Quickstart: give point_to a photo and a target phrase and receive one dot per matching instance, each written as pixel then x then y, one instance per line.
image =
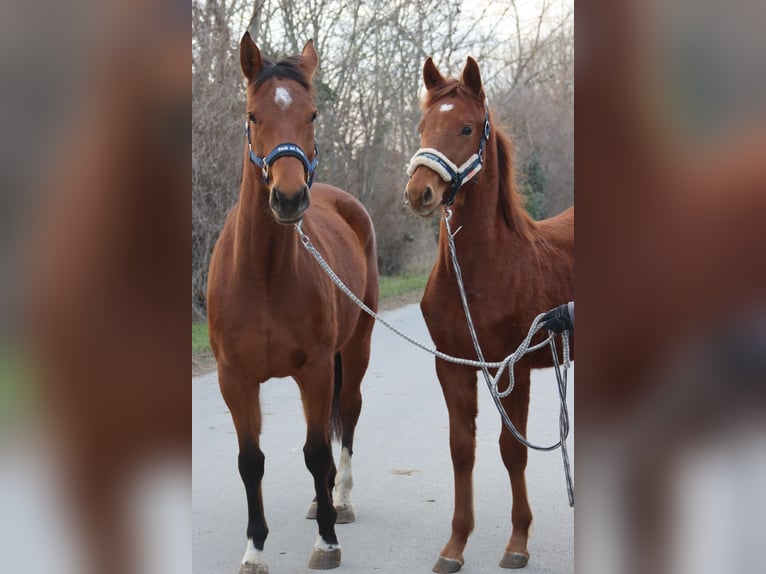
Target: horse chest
pixel 274 335
pixel 445 318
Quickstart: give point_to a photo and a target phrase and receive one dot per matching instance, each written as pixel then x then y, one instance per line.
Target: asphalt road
pixel 402 474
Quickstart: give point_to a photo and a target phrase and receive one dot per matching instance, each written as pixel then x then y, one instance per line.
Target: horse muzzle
pixel 289 208
pixel 422 197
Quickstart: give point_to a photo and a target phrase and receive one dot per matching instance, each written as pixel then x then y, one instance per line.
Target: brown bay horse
pixel 514 268
pixel 273 313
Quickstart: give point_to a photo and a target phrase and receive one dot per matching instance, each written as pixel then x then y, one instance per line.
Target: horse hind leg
pixel 335 430
pixel 355 358
pixel 344 482
pixel 514 455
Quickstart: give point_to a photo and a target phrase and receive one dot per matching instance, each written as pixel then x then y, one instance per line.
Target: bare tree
pixel 369 85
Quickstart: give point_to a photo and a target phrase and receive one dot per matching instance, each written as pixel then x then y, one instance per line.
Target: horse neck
pixel 491 216
pixel 261 245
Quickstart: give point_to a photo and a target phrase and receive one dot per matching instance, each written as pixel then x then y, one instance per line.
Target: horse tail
pixel 336 427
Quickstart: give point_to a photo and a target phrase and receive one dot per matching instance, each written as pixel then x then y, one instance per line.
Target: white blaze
pixel 446 107
pixel 282 98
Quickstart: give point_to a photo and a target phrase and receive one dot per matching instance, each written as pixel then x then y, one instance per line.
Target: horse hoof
pixel 447 565
pixel 254 569
pixel 514 560
pixel 345 514
pixel 325 559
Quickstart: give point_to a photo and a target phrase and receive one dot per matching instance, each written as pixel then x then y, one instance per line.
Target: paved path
pixel 402 474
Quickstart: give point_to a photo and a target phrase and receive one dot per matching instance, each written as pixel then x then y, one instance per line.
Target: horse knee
pixel 463 456
pixel 251 463
pixel 318 458
pixel 513 453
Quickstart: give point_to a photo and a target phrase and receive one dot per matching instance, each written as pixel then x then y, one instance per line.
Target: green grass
pixel 397 285
pixel 390 288
pixel 200 341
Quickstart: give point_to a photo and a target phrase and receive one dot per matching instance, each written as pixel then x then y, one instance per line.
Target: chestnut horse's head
pixel 453 132
pixel 280 126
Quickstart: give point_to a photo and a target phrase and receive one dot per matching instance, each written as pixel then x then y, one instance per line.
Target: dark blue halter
pixel 283 150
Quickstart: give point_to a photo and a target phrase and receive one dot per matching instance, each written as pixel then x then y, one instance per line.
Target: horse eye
pixel 252 119
pixel 313 117
pixel 467 131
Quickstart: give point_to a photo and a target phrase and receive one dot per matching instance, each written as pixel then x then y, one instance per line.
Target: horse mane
pixel 511 201
pixel 450 87
pixel 286 69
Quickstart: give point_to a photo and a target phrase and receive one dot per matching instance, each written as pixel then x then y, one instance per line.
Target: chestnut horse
pixel 514 268
pixel 273 313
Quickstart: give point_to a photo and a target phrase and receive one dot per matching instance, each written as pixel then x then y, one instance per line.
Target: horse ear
pixel 431 75
pixel 250 57
pixel 472 77
pixel 309 59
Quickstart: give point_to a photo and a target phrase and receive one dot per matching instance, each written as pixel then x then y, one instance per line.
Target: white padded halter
pixel 420 159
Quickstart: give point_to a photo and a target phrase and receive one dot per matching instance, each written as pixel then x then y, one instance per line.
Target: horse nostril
pixel 304 199
pixel 406 198
pixel 276 198
pixel 428 195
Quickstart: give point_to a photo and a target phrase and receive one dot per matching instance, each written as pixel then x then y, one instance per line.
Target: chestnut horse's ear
pixel 309 59
pixel 431 75
pixel 472 77
pixel 250 57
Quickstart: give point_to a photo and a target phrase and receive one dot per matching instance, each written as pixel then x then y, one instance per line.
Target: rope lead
pixel 507 363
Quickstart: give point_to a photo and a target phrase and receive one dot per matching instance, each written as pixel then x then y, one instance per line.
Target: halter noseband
pixel 283 150
pixel 448 171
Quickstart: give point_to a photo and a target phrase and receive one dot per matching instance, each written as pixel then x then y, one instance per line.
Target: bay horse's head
pixel 280 126
pixel 453 133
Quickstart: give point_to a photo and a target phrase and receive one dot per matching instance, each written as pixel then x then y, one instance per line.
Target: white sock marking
pixel 446 107
pixel 320 544
pixel 282 98
pixel 344 481
pixel 252 554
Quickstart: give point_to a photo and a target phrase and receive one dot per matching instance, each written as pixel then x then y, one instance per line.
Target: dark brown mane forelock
pixel 451 87
pixel 286 69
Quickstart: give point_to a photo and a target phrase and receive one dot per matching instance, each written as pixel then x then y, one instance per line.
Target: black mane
pixel 287 69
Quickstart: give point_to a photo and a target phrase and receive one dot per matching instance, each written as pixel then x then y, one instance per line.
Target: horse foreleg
pixel 242 398
pixel 459 387
pixel 316 385
pixel 514 456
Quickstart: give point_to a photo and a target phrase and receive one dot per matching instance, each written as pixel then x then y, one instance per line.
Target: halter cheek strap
pixel 283 150
pixel 456 176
